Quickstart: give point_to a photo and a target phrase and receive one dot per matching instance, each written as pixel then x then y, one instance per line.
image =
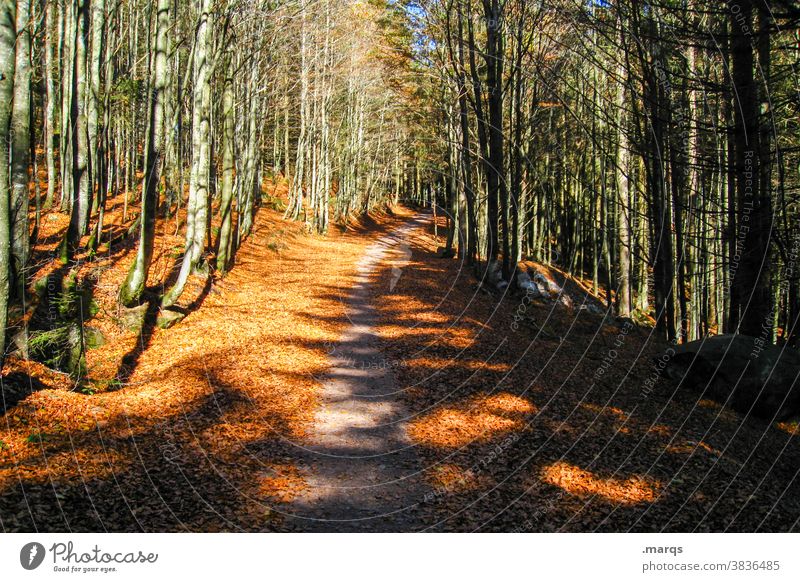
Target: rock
pixel 493 276
pixel 20 342
pixel 76 362
pixel 592 308
pixel 749 375
pixel 494 273
pixel 93 337
pixel 169 317
pixel 542 284
pixel 526 285
pixel 132 318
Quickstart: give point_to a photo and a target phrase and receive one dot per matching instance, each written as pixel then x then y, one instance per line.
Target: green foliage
pixel 125 91
pixel 68 300
pixel 38 437
pixel 91 387
pixel 51 347
pixel 274 202
pixel 60 343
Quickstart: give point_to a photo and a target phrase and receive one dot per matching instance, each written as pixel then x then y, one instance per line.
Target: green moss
pixel 51 347
pixel 38 437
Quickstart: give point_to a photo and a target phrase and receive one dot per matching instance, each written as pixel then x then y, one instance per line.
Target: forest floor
pixel 358 382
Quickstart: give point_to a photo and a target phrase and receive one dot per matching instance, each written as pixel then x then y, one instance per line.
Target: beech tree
pixel 618 141
pixel 650 148
pixel 7 40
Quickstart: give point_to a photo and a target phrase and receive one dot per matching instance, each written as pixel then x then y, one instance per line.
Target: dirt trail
pixel 361 469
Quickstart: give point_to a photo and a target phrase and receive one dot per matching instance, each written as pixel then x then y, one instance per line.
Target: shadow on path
pixel 362 471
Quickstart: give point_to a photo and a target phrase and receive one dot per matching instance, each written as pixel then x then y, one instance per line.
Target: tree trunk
pixel 197 208
pixel 750 294
pixel 131 290
pixel 226 189
pixel 7 41
pixel 21 149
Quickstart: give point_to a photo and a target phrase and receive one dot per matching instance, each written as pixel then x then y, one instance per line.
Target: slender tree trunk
pixel 7 65
pixel 751 298
pixel 51 99
pixel 131 290
pixel 81 195
pixel 226 190
pixel 197 208
pixel 21 149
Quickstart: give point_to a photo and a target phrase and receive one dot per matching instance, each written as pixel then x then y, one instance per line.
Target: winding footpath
pixel 360 466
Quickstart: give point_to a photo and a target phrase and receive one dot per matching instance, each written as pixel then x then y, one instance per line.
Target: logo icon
pixel 31 555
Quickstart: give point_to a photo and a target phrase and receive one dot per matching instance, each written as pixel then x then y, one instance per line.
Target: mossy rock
pixel 169 317
pixel 76 361
pixel 19 341
pixel 132 318
pixel 93 337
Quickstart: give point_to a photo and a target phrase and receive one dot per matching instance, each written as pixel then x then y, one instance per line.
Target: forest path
pixel 361 471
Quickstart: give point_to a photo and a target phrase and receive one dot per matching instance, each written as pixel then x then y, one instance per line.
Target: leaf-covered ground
pixel 192 428
pixel 526 416
pixel 534 416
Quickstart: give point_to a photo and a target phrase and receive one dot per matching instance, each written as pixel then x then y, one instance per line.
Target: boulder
pixel 93 337
pixel 133 318
pixel 76 359
pixel 592 308
pixel 526 285
pixel 542 284
pixel 493 276
pixel 169 317
pixel 19 341
pixel 746 373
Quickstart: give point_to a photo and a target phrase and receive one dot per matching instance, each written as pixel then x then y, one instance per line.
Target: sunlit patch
pixel 450 478
pixel 583 483
pixel 440 363
pixel 620 416
pixel 282 483
pixel 68 468
pixel 611 410
pixel 479 419
pixel 691 447
pixel 793 428
pixel 660 430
